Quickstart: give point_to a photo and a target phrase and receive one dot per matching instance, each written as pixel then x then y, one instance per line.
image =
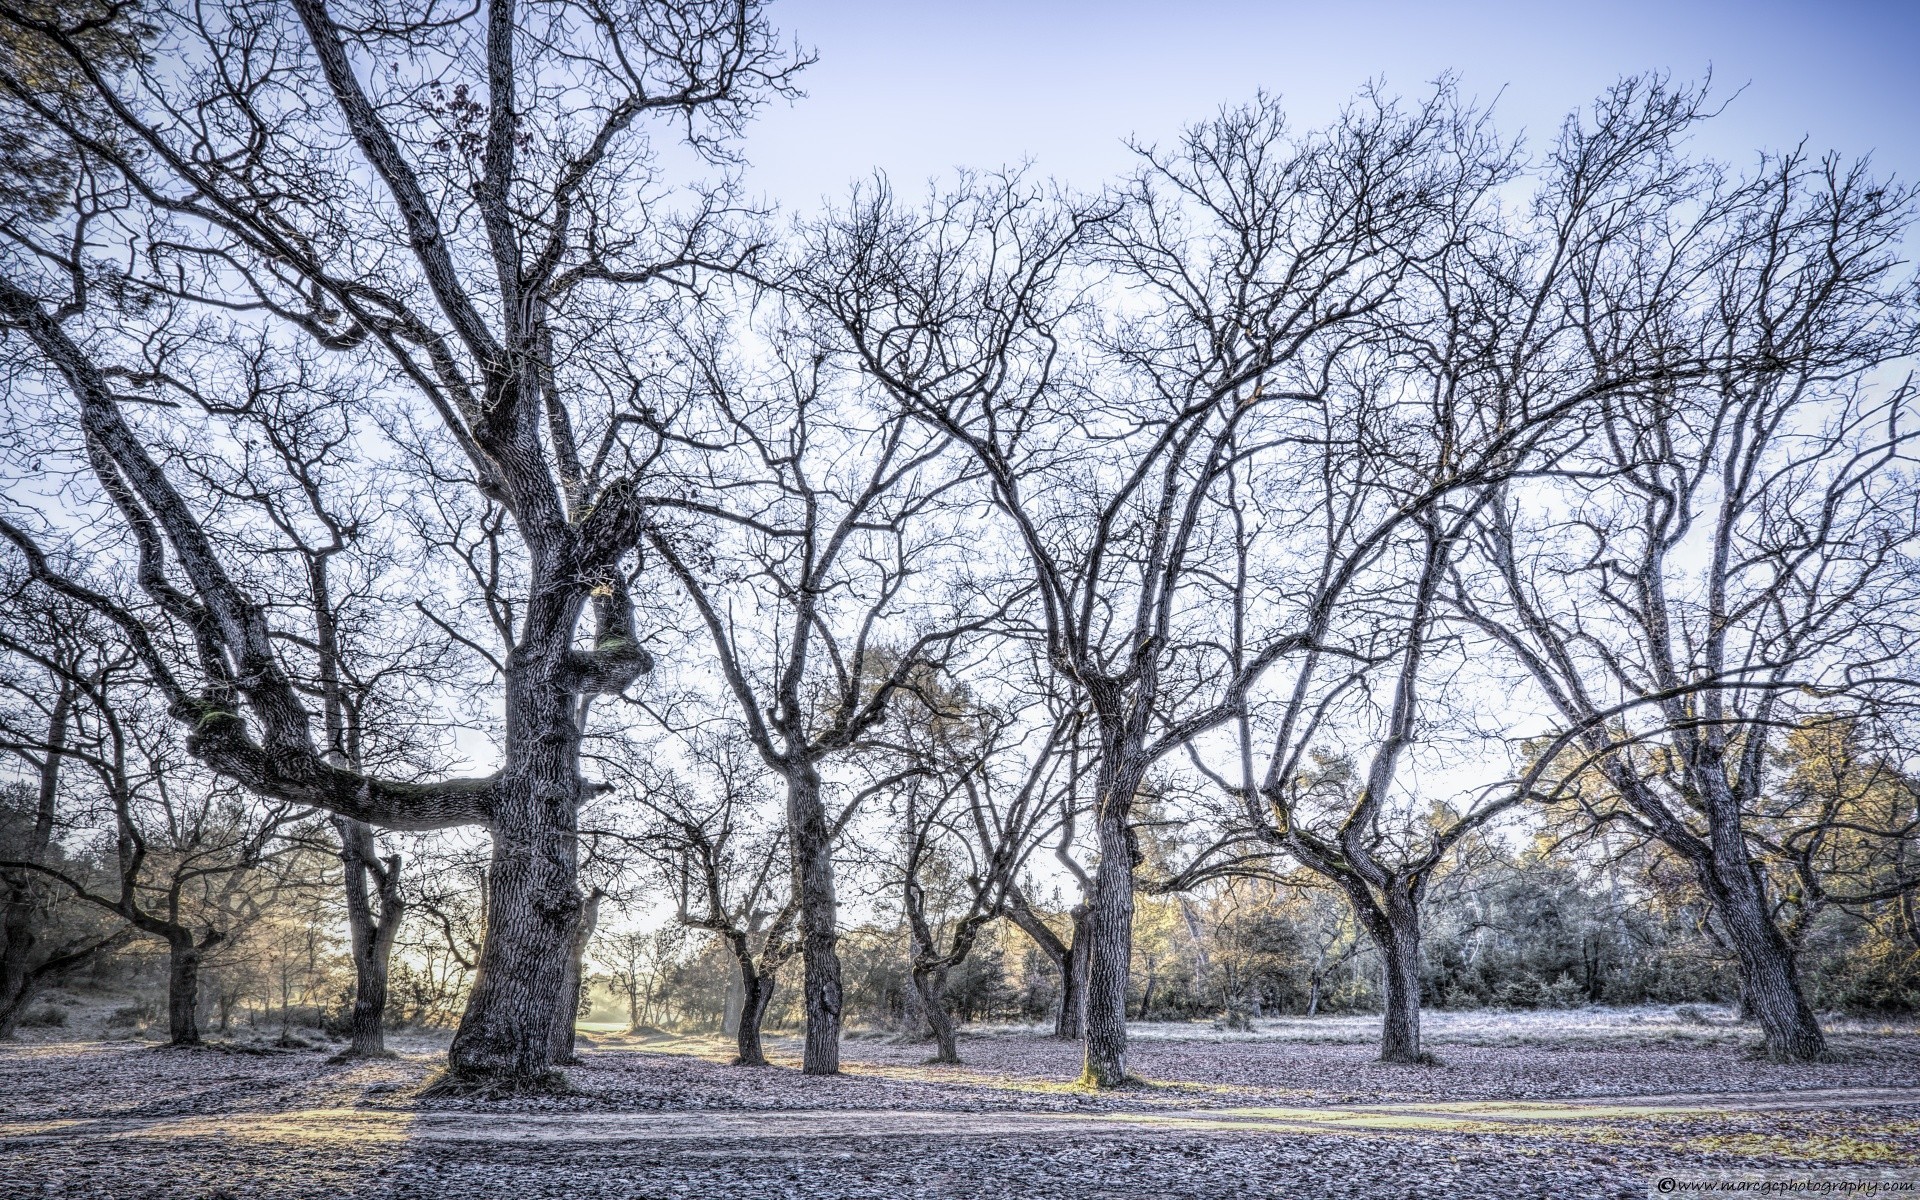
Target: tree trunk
pixel 372 933
pixel 16 946
pixel 1108 933
pixel 756 992
pixel 736 1000
pixel 566 1015
pixel 931 984
pixel 183 991
pixel 1398 936
pixel 1070 1020
pixel 812 848
pixel 506 1034
pixel 1769 977
pixel 1069 960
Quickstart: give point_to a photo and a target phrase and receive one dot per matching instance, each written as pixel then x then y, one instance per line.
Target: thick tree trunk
pixel 566 1015
pixel 506 1034
pixel 1108 934
pixel 756 992
pixel 1769 976
pixel 183 991
pixel 1399 942
pixel 372 933
pixel 931 984
pixel 812 847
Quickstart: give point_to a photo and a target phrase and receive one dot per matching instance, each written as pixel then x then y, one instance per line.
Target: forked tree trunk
pixel 1109 939
pixel 566 1015
pixel 812 848
pixel 1069 961
pixel 372 933
pixel 183 991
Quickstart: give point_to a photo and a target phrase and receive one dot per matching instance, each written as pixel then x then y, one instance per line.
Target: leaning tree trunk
pixel 183 990
pixel 372 932
pixel 505 1036
pixel 1109 941
pixel 1069 960
pixel 1769 977
pixel 566 1016
pixel 812 847
pixel 756 993
pixel 1397 934
pixel 931 984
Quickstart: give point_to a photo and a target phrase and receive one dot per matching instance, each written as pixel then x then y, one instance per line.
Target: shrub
pixel 128 1016
pixel 46 1014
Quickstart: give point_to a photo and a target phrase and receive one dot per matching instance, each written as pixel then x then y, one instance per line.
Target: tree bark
pixel 372 933
pixel 931 984
pixel 756 993
pixel 566 1016
pixel 1769 976
pixel 812 848
pixel 1397 934
pixel 1109 936
pixel 183 991
pixel 506 1033
pixel 1069 960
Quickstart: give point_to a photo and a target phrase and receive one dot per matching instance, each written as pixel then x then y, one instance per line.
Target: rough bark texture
pixel 183 991
pixel 372 931
pixel 931 984
pixel 1070 1021
pixel 566 1017
pixel 1108 933
pixel 1398 936
pixel 532 898
pixel 812 848
pixel 756 993
pixel 1770 981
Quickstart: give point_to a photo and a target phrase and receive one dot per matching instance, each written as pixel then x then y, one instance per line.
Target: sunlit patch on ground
pixel 663 1114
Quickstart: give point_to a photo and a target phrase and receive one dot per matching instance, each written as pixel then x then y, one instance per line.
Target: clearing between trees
pixel 1584 1103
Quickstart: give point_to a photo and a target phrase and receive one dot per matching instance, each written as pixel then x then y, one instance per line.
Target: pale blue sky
pixel 915 87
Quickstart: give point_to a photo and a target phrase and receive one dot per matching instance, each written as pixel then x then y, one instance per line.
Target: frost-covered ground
pixel 1293 1108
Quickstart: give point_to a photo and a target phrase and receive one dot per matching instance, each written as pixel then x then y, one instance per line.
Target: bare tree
pixel 726 867
pixel 1253 262
pixel 42 938
pixel 979 794
pixel 464 206
pixel 191 858
pixel 801 536
pixel 1729 544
